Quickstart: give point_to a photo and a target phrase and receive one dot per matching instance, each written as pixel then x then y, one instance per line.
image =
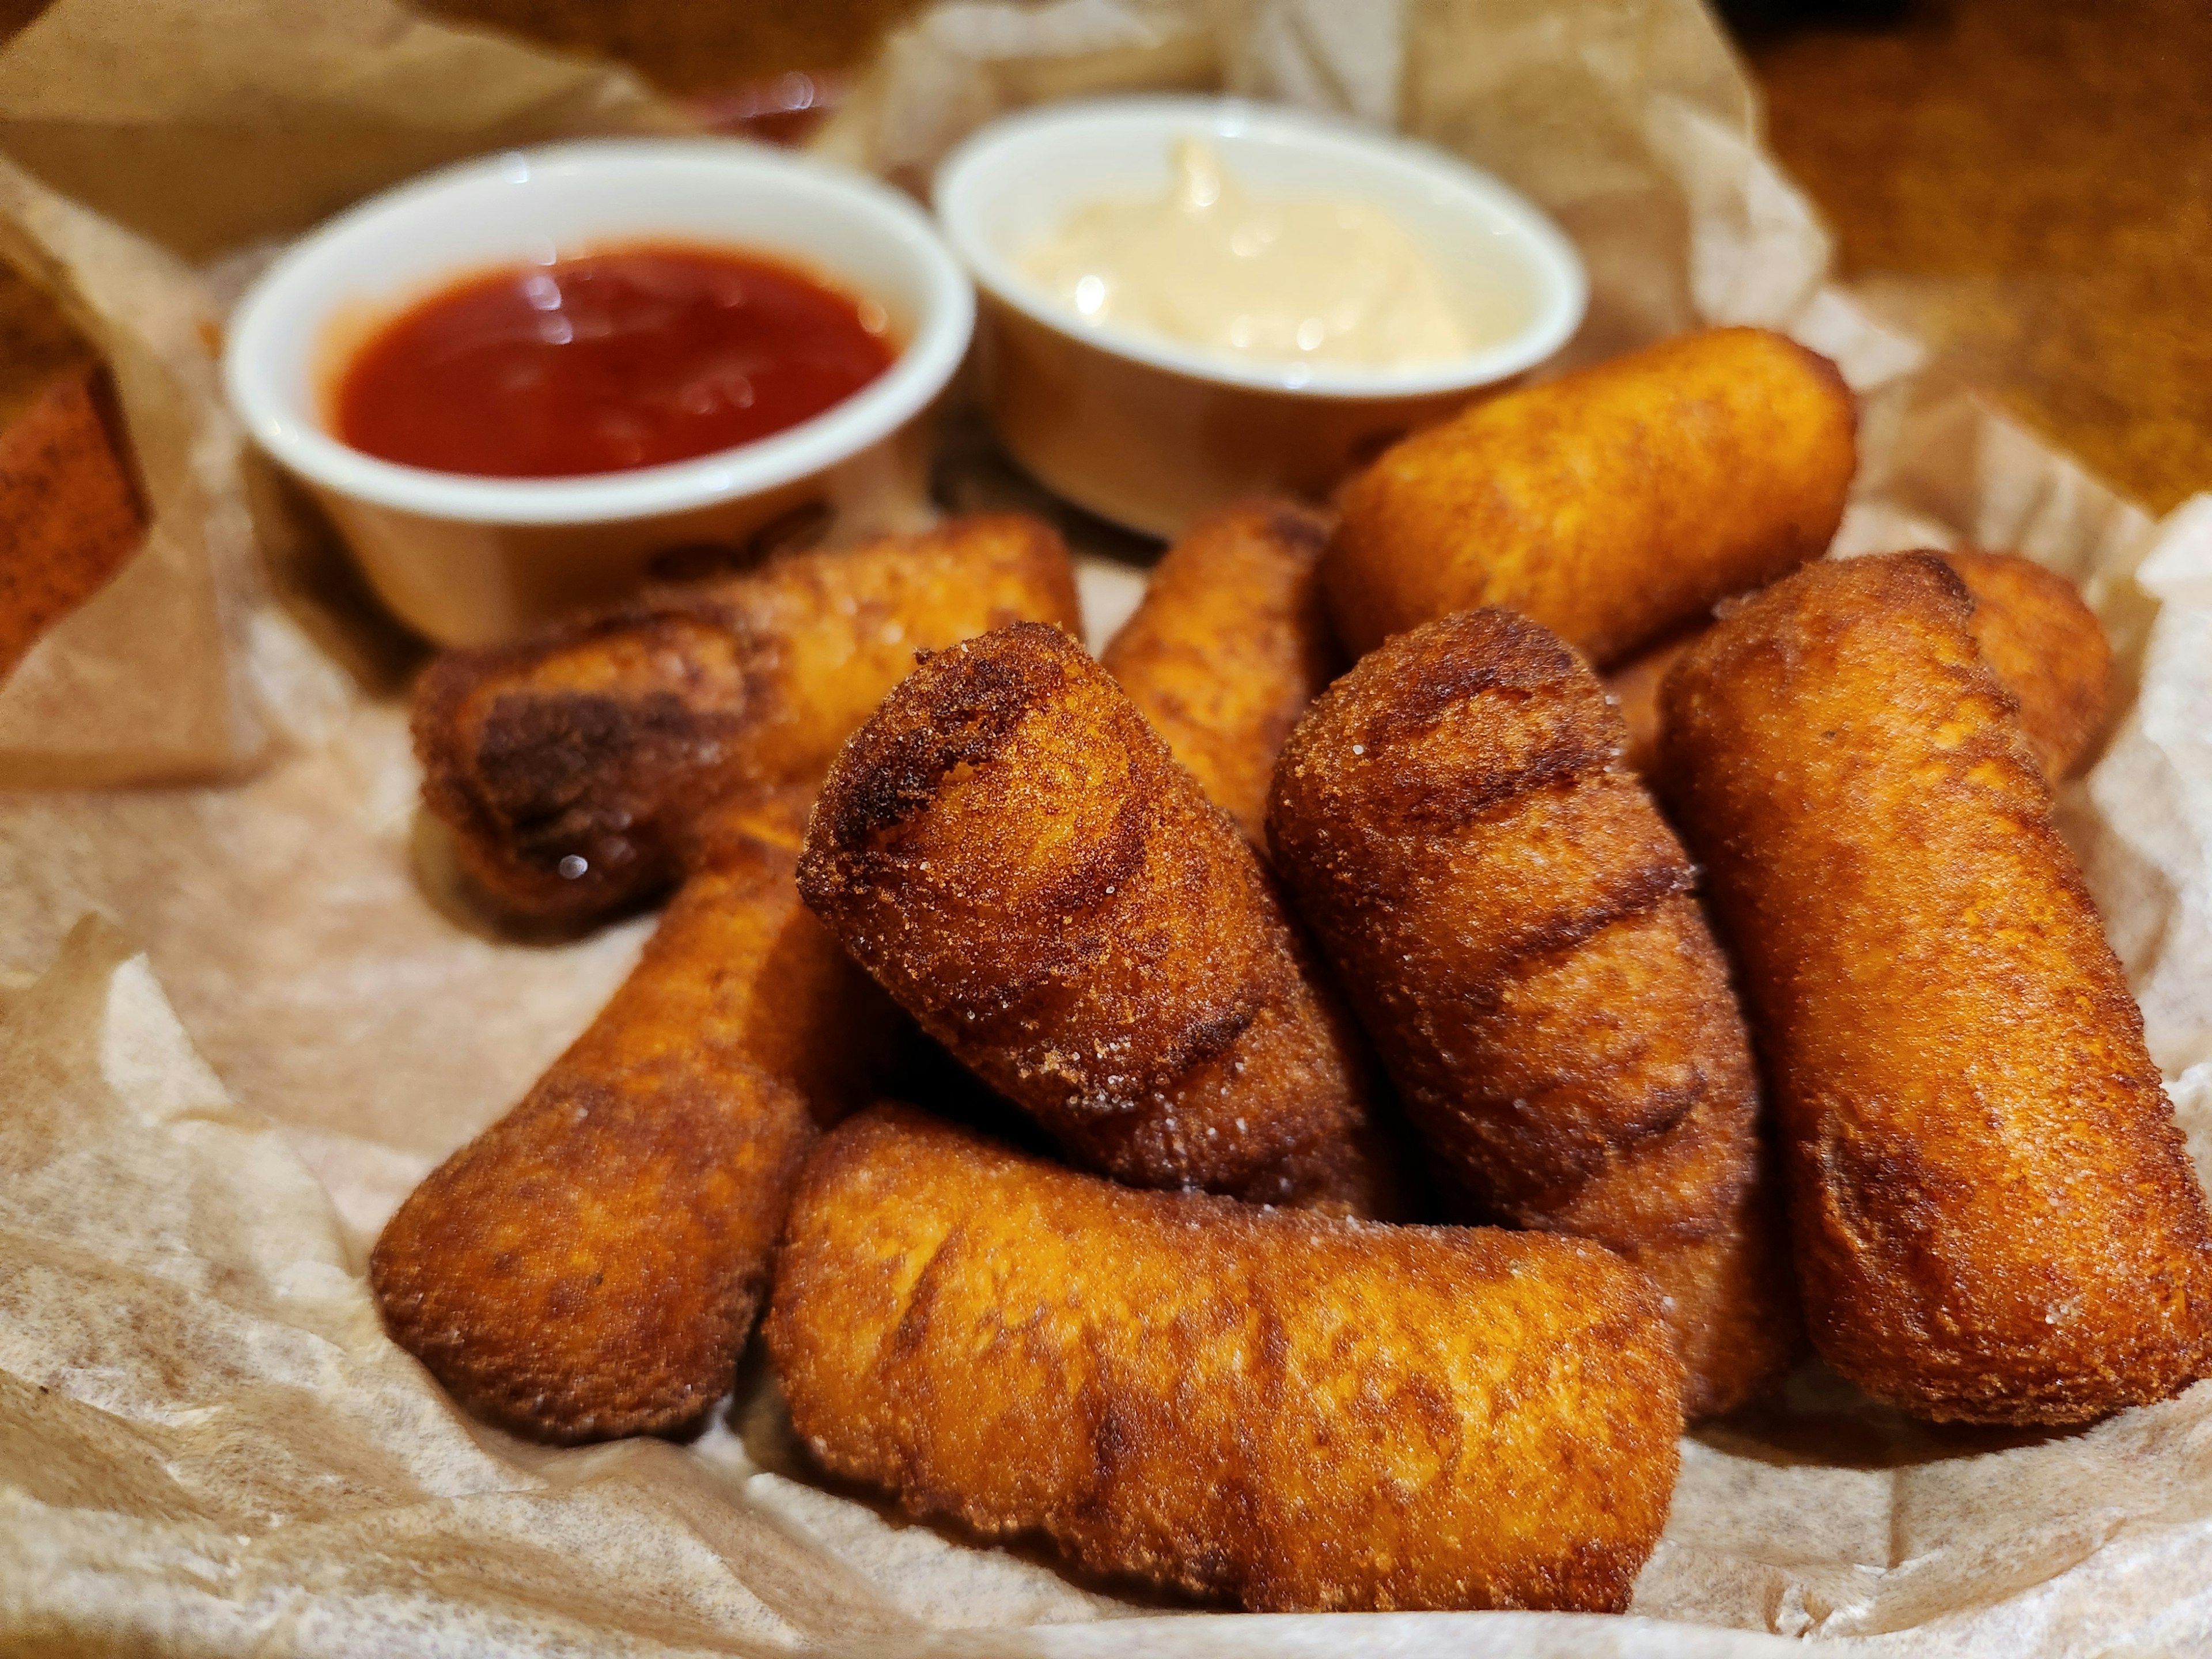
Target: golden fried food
pixel 1297 1411
pixel 1611 505
pixel 1012 851
pixel 573 766
pixel 2046 645
pixel 1512 920
pixel 1230 645
pixel 590 1265
pixel 70 515
pixel 1634 689
pixel 2031 625
pixel 1995 1216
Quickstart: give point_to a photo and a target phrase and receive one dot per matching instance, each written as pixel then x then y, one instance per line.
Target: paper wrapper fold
pixel 138 139
pixel 206 1443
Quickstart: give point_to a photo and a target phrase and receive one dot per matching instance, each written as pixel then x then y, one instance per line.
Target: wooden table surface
pixel 2026 184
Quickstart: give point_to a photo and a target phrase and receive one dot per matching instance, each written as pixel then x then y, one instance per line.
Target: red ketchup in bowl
pixel 633 356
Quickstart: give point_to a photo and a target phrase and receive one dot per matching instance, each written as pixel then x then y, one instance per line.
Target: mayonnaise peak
pixel 1283 278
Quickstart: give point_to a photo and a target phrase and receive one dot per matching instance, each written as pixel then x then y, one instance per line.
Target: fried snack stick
pixel 1012 851
pixel 69 512
pixel 575 766
pixel 589 1264
pixel 1228 647
pixel 2047 648
pixel 1996 1220
pixel 1611 505
pixel 1513 921
pixel 1292 1411
pixel 2044 643
pixel 1634 689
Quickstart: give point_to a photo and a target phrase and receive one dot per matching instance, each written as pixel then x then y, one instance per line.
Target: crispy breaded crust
pixel 590 1265
pixel 1512 918
pixel 1295 1411
pixel 1611 505
pixel 70 511
pixel 1012 851
pixel 1228 647
pixel 2031 625
pixel 2046 645
pixel 606 739
pixel 1996 1220
pixel 1634 689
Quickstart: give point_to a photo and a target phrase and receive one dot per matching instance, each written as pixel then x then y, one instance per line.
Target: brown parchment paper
pixel 282 1011
pixel 139 138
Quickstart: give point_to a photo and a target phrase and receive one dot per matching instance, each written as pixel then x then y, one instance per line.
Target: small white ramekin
pixel 1152 433
pixel 466 560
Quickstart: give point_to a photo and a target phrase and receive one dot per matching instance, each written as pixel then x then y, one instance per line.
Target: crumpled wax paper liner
pixel 206 1444
pixel 143 680
pixel 138 139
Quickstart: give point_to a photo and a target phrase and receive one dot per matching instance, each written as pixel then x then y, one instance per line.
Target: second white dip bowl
pixel 1152 433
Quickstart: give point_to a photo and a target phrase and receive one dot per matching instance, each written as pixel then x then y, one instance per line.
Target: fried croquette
pixel 2047 648
pixel 71 514
pixel 573 766
pixel 2034 631
pixel 1513 920
pixel 1996 1220
pixel 1634 689
pixel 591 1265
pixel 1292 1411
pixel 1613 505
pixel 1014 855
pixel 1230 645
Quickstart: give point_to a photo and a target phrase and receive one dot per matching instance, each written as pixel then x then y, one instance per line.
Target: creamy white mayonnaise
pixel 1285 278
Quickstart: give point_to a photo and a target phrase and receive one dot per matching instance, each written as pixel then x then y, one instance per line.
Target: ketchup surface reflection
pixel 633 357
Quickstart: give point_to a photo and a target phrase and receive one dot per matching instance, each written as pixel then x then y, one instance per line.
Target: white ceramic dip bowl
pixel 468 559
pixel 1151 432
